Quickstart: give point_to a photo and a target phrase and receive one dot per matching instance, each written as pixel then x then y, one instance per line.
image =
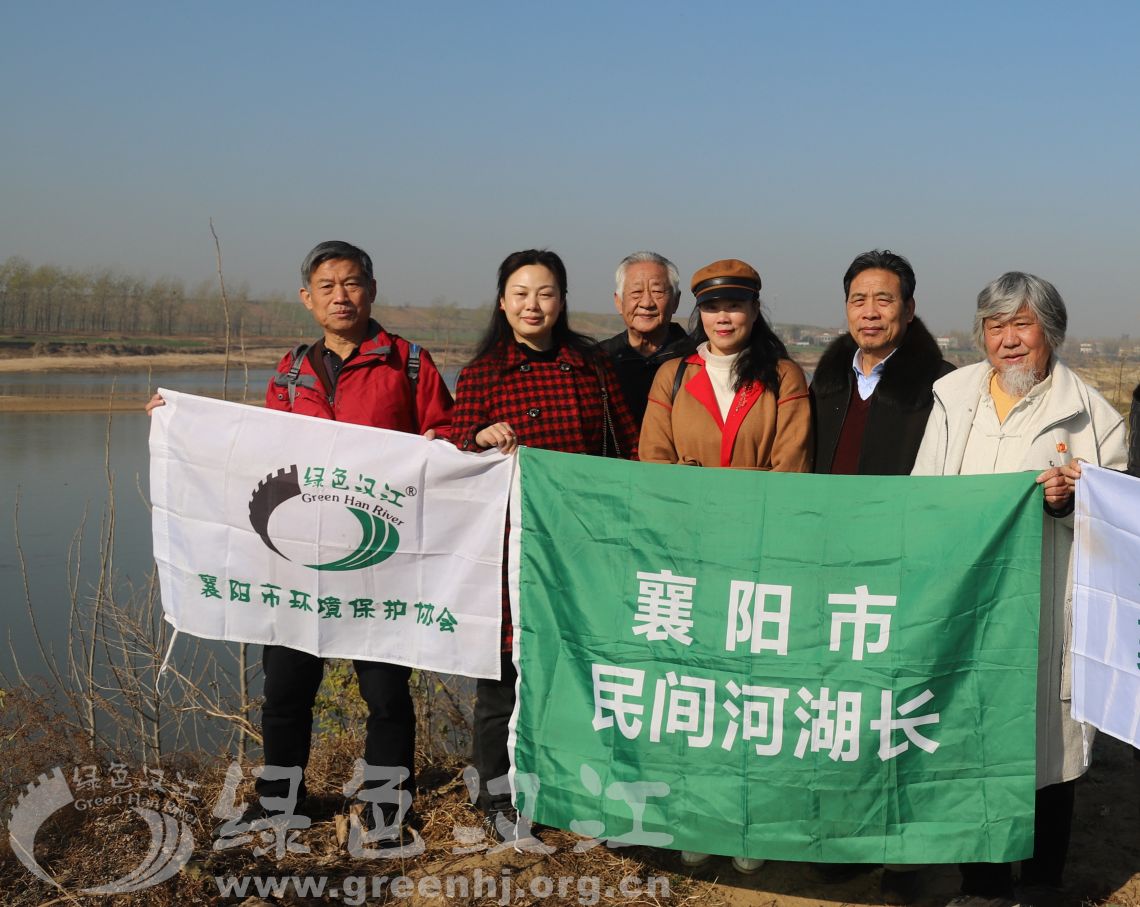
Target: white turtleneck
pixel 720 374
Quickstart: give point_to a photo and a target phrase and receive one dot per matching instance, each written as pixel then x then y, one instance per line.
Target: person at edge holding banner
pixel 648 291
pixel 871 397
pixel 1134 470
pixel 738 401
pixel 1134 434
pixel 1025 409
pixel 359 373
pixel 532 381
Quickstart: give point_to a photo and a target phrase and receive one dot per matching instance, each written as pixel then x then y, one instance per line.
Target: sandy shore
pixel 1114 381
pixel 122 403
pixel 112 364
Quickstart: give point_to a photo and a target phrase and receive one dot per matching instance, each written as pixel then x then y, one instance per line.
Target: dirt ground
pixel 1103 866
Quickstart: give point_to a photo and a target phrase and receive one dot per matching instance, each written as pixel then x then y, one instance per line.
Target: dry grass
pixel 1115 378
pixel 83 849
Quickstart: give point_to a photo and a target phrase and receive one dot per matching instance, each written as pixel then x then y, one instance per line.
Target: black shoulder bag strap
pixel 678 379
pixel 609 433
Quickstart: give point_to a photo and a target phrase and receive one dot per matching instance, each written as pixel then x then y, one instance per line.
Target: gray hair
pixel 1003 298
pixel 638 258
pixel 334 249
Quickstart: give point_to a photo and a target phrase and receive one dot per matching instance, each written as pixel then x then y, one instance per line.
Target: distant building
pixel 943 343
pixel 1087 349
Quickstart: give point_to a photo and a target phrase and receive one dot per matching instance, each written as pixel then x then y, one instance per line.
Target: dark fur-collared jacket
pixel 900 404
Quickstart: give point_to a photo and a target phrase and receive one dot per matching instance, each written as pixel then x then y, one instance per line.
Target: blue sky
pixel 974 138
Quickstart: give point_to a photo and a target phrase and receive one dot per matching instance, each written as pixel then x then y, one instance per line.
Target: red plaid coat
pixel 552 405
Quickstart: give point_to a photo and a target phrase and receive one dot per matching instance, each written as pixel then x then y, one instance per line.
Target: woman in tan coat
pixel 739 401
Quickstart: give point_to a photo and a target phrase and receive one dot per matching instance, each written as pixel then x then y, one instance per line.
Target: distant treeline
pixel 47 299
pixel 50 302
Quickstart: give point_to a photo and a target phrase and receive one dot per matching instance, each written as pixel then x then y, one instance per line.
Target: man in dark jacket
pixel 871 396
pixel 871 390
pixel 648 291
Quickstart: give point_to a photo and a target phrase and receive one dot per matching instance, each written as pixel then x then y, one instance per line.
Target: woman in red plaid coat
pixel 536 382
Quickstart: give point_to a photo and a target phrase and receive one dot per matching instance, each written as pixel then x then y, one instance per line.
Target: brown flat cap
pixel 729 278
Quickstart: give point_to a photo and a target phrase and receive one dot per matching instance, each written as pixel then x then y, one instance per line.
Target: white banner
pixel 1106 603
pixel 336 539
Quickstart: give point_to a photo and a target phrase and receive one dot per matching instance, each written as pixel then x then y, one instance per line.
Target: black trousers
pixel 494 702
pixel 1052 827
pixel 292 679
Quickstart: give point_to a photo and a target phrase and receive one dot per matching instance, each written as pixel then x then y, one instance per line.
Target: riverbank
pixel 106 365
pixel 122 399
pixel 31 404
pixel 1114 379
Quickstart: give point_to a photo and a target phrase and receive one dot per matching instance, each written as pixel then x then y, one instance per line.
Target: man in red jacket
pixel 357 372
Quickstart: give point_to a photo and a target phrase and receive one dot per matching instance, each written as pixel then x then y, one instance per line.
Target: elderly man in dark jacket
pixel 871 398
pixel 648 291
pixel 871 390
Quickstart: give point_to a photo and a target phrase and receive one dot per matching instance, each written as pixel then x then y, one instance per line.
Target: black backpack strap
pixel 293 377
pixel 413 367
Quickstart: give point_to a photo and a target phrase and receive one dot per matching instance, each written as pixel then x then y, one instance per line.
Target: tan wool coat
pixel 761 432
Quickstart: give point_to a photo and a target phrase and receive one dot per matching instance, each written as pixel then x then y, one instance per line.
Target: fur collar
pixel 907 377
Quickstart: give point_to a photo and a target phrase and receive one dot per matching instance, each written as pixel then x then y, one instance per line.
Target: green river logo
pixel 379 538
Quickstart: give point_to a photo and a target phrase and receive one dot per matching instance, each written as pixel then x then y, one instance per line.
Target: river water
pixel 63 473
pixel 99 385
pixel 74 503
pixel 63 470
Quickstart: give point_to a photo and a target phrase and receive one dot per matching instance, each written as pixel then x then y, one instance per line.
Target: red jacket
pixel 553 405
pixel 372 388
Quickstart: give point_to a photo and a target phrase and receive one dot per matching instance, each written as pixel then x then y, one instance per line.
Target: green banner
pixel 794 667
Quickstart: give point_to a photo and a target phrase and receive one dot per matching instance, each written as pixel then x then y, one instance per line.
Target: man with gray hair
pixel 648 292
pixel 356 372
pixel 1024 409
